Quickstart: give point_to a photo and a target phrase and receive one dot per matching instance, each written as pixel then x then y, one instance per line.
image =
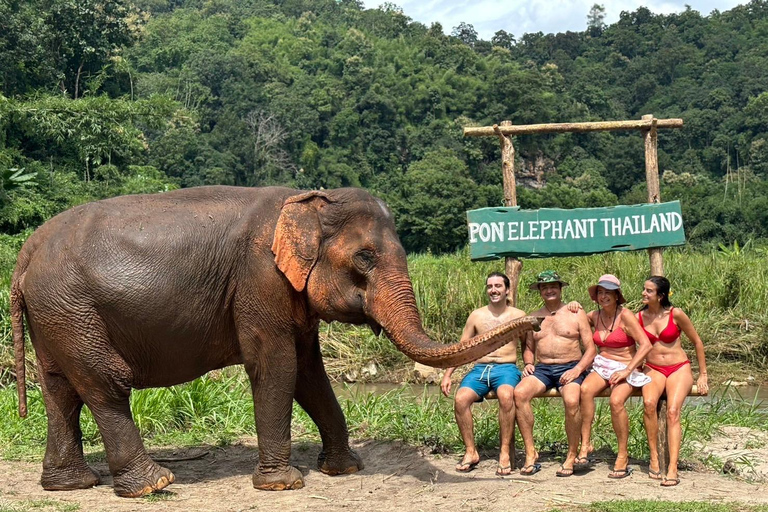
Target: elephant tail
pixel 17 325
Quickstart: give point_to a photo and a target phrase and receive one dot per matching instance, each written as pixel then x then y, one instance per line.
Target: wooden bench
pixel 661 411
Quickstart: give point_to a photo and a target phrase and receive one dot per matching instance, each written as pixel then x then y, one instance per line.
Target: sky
pixel 518 17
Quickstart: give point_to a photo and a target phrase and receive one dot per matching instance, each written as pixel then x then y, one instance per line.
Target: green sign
pixel 498 232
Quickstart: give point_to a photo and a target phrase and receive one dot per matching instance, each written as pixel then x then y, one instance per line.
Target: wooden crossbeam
pixel 599 126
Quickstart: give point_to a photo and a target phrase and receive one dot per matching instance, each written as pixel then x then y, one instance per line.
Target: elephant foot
pixel 69 478
pixel 135 484
pixel 273 479
pixel 343 463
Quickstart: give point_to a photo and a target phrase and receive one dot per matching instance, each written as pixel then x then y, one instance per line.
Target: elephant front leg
pixel 273 401
pixel 315 395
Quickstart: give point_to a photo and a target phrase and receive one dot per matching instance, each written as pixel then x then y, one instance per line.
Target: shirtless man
pixel 561 364
pixel 497 371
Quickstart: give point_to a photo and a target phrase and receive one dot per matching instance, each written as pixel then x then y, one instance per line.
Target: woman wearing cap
pixel 623 345
pixel 669 370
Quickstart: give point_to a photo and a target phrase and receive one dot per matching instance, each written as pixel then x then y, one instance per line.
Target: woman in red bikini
pixel 669 369
pixel 617 335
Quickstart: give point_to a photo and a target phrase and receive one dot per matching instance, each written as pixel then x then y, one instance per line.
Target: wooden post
pixel 512 266
pixel 652 179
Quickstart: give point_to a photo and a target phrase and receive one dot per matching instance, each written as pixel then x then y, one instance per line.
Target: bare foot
pixel 531 467
pixel 654 474
pixel 468 463
pixel 584 454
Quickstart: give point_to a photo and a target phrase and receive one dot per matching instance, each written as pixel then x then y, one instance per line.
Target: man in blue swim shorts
pixel 496 372
pixel 561 364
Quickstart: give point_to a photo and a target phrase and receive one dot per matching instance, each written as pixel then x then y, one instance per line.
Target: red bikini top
pixel 615 339
pixel 670 333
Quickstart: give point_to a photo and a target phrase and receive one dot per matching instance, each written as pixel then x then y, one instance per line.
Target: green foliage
pixel 432 197
pixel 665 506
pixel 329 94
pixel 219 410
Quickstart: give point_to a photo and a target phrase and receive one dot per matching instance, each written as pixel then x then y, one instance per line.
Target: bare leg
pixel 651 394
pixel 525 391
pixel 678 386
pixel 571 394
pixel 462 408
pixel 620 421
pixel 592 385
pixel 506 396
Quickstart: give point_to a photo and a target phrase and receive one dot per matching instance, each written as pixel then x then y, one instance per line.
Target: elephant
pixel 155 290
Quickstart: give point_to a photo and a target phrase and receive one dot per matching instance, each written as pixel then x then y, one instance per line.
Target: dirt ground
pixel 396 477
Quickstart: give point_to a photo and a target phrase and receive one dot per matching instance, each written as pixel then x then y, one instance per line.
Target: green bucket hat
pixel 548 276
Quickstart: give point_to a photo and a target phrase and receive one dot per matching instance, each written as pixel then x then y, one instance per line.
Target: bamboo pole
pixel 510 130
pixel 512 266
pixel 652 179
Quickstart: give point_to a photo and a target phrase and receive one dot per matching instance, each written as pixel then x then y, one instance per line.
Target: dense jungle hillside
pixel 100 98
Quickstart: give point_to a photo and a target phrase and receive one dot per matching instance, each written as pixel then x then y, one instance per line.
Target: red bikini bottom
pixel 667 370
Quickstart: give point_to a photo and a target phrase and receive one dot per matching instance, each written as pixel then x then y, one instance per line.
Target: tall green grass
pixel 725 292
pixel 216 411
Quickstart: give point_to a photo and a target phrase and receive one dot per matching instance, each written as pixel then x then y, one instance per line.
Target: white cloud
pixel 548 16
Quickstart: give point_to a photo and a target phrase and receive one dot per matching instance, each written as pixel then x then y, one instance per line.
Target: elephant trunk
pixel 395 310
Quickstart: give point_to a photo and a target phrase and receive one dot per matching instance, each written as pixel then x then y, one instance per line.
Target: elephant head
pixel 340 248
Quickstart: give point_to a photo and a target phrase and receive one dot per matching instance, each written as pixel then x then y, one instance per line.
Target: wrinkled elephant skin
pixel 155 290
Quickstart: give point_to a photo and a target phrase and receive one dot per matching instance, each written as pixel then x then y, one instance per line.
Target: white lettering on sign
pixel 574 229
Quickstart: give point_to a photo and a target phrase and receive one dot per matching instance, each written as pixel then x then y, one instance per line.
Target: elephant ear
pixel 297 236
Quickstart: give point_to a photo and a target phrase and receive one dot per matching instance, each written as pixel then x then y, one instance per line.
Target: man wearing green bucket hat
pixel 561 364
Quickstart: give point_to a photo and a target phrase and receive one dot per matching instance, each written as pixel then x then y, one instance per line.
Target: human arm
pixel 585 333
pixel 529 354
pixel 685 324
pixel 632 327
pixel 445 384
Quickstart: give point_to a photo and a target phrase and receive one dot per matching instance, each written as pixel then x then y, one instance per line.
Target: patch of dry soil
pixel 740 451
pixel 396 477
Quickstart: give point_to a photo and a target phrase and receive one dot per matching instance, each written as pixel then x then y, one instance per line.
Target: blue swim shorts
pixel 550 374
pixel 486 377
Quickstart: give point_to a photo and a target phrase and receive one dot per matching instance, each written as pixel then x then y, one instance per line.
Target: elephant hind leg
pixel 64 467
pixel 134 473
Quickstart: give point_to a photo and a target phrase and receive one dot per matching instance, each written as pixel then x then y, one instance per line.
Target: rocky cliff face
pixel 531 171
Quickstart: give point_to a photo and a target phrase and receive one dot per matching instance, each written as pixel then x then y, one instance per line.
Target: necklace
pixel 600 318
pixel 555 311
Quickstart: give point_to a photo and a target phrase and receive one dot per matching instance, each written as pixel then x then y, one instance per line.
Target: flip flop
pixel 620 473
pixel 564 472
pixel 654 475
pixel 504 470
pixel 466 467
pixel 530 469
pixel 665 482
pixel 581 463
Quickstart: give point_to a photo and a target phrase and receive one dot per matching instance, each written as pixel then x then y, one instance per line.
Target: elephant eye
pixel 364 260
